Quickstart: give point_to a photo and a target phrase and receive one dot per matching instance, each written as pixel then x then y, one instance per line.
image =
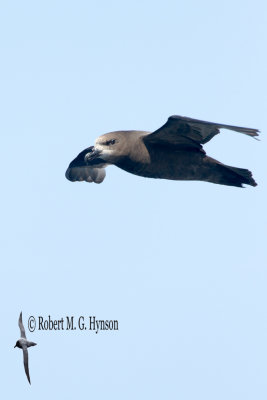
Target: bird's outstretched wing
pixel 26 362
pixel 21 327
pixel 79 171
pixel 87 174
pixel 189 132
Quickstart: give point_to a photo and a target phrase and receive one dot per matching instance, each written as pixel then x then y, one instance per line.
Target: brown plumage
pixel 174 152
pixel 23 344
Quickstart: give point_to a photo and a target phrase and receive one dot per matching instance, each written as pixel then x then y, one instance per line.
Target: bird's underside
pixel 172 152
pixel 199 167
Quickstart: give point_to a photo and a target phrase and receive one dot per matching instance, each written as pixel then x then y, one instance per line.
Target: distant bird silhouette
pixel 174 152
pixel 23 344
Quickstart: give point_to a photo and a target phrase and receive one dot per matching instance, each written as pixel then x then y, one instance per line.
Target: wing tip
pixel 86 174
pixel 248 131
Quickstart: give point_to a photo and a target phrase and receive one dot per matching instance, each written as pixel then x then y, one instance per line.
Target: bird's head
pixel 111 148
pixel 17 344
pixel 105 149
pixel 108 148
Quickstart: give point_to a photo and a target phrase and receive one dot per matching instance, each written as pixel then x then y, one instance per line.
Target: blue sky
pixel 180 265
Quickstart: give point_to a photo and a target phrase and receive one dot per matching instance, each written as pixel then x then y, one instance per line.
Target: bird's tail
pixel 29 344
pixel 233 176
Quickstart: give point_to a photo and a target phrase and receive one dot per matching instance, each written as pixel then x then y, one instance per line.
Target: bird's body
pixel 23 344
pixel 172 152
pixel 176 165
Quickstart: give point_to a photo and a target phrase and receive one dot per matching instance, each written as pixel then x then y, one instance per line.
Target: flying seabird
pixel 23 344
pixel 173 151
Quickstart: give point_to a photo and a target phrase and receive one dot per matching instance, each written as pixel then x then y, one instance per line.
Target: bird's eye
pixel 110 142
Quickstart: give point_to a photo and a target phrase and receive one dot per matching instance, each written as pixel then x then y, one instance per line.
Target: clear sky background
pixel 180 265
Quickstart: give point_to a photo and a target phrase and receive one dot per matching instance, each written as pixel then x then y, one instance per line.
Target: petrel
pixel 173 151
pixel 23 344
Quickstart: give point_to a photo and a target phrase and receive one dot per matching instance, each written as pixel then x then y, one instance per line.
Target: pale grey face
pixel 110 148
pixel 107 145
pixel 107 148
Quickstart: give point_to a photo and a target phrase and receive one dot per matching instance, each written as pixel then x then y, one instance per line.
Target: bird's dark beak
pixel 92 154
pixel 15 345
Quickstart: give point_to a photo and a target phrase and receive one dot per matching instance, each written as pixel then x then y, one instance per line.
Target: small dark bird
pixel 174 152
pixel 23 344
